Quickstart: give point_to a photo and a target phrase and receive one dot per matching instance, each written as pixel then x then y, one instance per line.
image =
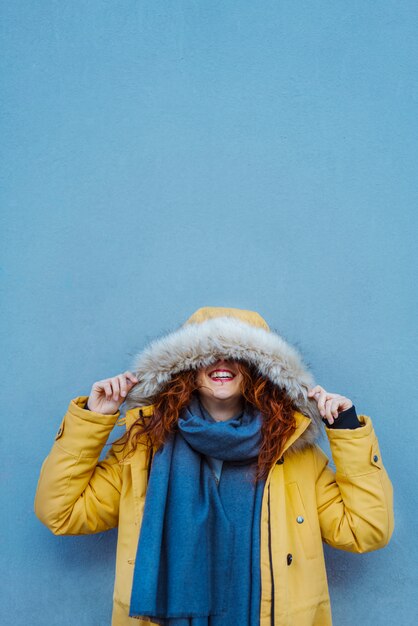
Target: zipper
pixel 151 453
pixel 271 560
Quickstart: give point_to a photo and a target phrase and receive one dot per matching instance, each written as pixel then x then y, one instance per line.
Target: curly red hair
pixel 271 401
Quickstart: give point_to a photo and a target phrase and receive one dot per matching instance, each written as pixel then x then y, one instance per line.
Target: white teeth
pixel 221 375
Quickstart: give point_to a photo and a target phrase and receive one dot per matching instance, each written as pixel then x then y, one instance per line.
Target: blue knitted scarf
pixel 198 556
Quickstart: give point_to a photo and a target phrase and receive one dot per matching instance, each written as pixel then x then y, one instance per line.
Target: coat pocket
pixel 300 520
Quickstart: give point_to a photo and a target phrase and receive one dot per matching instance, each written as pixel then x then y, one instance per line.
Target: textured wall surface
pixel 162 156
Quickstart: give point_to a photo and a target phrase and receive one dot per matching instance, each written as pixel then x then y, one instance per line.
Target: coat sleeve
pixel 355 503
pixel 76 494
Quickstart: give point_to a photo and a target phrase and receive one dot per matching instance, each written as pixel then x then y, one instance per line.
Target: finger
pixel 108 390
pixel 130 384
pixel 129 381
pixel 335 406
pixel 315 390
pixel 122 385
pixel 318 389
pixel 131 377
pixel 321 402
pixel 328 414
pixel 115 386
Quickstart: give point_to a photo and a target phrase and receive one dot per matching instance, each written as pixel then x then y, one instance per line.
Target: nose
pixel 224 363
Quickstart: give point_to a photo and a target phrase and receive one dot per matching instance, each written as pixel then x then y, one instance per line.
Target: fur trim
pixel 196 345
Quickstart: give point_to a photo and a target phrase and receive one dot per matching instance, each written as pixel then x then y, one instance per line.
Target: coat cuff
pixel 346 419
pixel 73 427
pixel 78 406
pixel 355 452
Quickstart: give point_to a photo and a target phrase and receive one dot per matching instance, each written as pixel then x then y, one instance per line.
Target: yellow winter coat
pixel 304 503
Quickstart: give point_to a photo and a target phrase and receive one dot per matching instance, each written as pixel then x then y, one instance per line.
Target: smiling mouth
pixel 221 375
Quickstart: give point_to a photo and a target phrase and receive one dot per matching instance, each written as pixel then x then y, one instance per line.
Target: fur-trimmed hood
pixel 212 333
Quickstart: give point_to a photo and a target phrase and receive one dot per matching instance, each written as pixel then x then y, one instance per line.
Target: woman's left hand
pixel 329 404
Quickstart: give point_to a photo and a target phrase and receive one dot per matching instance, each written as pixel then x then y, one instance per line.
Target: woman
pixel 220 492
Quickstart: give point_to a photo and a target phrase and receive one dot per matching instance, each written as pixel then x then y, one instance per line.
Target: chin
pixel 225 396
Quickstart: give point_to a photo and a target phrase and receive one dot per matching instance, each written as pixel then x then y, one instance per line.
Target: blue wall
pixel 162 156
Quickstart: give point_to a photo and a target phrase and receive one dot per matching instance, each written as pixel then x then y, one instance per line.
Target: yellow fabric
pixel 350 509
pixel 208 312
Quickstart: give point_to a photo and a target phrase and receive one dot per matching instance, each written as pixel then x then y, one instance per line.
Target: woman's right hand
pixel 107 395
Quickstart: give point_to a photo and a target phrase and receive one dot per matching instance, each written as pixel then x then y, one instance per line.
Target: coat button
pixel 299 519
pixel 289 558
pixel 280 461
pixel 375 458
